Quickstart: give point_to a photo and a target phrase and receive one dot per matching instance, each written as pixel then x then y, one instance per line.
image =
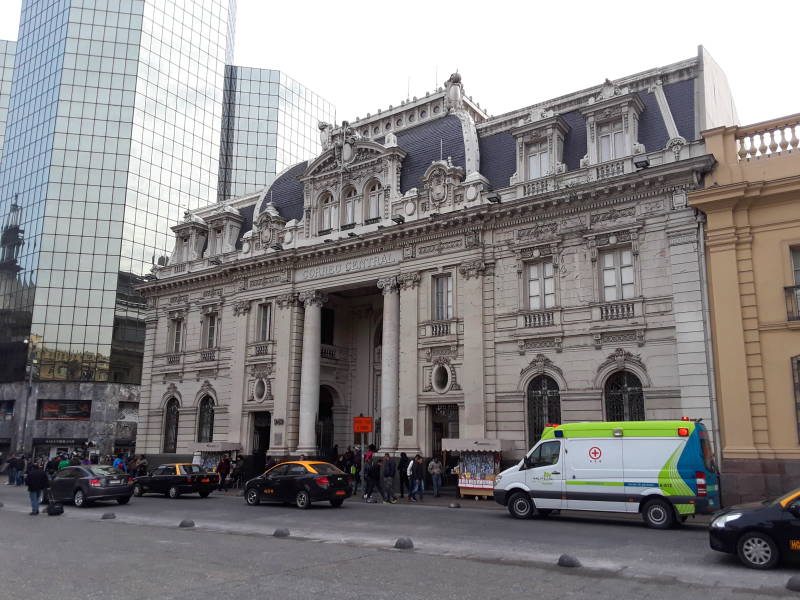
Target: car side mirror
pixel 794 508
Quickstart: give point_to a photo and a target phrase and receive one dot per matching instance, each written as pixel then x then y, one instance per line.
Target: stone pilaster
pixel 286 340
pixel 473 424
pixel 390 364
pixel 309 377
pixel 236 429
pixel 408 363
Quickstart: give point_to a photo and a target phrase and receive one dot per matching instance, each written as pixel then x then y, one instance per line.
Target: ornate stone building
pixel 450 274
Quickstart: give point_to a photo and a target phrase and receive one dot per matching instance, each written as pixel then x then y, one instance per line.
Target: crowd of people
pixel 383 475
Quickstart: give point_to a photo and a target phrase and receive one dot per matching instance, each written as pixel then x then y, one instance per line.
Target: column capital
pixel 286 300
pixel 241 307
pixel 408 281
pixel 475 268
pixel 388 285
pixel 312 298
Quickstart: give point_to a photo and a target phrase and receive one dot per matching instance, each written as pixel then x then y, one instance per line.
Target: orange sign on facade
pixel 362 424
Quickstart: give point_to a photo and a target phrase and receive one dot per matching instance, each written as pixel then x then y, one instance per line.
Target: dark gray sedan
pixel 83 484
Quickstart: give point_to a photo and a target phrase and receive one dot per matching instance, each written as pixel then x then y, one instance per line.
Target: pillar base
pixel 308 452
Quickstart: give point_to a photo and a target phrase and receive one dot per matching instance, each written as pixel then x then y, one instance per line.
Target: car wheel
pixel 757 551
pixel 124 500
pixel 658 514
pixel 79 499
pixel 138 491
pixel 251 497
pixel 173 492
pixel 337 502
pixel 520 505
pixel 302 500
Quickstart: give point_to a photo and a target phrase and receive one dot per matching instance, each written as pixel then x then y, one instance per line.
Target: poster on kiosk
pixel 478 463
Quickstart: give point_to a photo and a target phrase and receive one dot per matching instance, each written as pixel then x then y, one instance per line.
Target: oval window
pixel 260 389
pixel 441 378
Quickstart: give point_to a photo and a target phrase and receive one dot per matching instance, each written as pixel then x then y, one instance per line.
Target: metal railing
pixel 792 302
pixel 210 354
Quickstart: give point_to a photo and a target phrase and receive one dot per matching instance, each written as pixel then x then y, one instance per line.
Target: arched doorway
pixel 624 397
pixel 325 428
pixel 171 426
pixel 544 406
pixel 205 421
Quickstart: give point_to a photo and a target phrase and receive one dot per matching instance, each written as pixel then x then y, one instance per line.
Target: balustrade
pixel 173 359
pixel 617 310
pixel 610 169
pixel 329 352
pixel 538 319
pixel 210 354
pixel 772 137
pixel 440 329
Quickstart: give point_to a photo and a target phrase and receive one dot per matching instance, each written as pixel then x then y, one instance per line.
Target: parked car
pixel 176 479
pixel 84 484
pixel 663 470
pixel 300 482
pixel 759 533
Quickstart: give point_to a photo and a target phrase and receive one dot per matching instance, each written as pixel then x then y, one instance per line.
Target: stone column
pixel 409 422
pixel 390 363
pixel 288 346
pixel 309 375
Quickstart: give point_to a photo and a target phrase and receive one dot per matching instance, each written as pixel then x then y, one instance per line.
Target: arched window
pixel 374 200
pixel 544 406
pixel 205 422
pixel 329 212
pixel 171 426
pixel 351 206
pixel 624 397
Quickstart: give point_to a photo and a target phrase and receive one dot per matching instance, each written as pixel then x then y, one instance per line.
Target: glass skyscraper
pixel 114 128
pixel 269 123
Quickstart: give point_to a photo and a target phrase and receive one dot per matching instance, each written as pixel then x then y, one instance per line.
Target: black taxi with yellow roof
pixel 300 482
pixel 176 479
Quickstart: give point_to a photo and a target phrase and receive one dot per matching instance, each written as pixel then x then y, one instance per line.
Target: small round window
pixel 423 114
pixel 260 390
pixel 441 378
pixel 436 109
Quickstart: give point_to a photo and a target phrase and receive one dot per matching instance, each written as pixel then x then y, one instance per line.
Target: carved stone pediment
pixel 439 182
pixel 539 366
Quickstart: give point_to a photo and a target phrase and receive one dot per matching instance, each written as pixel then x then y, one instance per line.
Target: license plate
pixel 204 480
pixel 114 481
pixel 340 492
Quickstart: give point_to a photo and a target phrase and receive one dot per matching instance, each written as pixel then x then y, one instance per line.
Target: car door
pixel 544 474
pixel 789 542
pixel 272 482
pixel 293 481
pixel 160 479
pixel 61 484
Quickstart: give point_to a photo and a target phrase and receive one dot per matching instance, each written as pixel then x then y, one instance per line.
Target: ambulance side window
pixel 545 455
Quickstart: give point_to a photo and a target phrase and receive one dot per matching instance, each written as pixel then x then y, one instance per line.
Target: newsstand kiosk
pixel 478 463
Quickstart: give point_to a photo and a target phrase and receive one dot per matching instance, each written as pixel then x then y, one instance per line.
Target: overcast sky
pixel 362 55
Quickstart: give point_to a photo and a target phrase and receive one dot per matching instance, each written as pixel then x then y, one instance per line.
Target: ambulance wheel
pixel 658 514
pixel 520 506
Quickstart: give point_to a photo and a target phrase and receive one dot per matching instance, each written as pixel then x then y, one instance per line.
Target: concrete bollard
pixel 281 532
pixel 107 516
pixel 793 583
pixel 404 543
pixel 454 505
pixel 569 561
pixel 1 505
pixel 186 523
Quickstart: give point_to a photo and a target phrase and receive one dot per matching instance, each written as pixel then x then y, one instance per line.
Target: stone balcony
pixel 622 312
pixel 441 331
pixel 261 348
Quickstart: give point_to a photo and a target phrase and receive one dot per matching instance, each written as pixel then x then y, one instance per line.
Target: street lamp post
pixel 31 362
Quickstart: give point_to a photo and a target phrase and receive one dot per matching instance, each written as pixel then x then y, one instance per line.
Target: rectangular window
pixel 541 286
pixel 348 211
pixel 538 161
pixel 326 326
pixel 176 340
pixel 210 333
pixel 64 410
pixel 264 322
pixel 796 265
pixel 612 144
pixel 617 274
pixel 443 297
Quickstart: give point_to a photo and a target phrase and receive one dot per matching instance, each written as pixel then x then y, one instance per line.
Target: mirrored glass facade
pixel 269 123
pixel 8 51
pixel 113 130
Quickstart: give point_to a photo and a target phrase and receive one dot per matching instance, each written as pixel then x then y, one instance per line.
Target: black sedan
pixel 301 483
pixel 83 484
pixel 760 533
pixel 176 479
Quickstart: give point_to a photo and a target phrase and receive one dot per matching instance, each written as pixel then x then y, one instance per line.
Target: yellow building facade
pixel 751 201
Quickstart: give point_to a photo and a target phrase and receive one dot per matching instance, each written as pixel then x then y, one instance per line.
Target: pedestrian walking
pixel 417 480
pixel 11 471
pixel 372 477
pixel 389 470
pixel 141 466
pixel 119 463
pixel 223 469
pixel 402 467
pixel 22 469
pixel 37 483
pixel 435 468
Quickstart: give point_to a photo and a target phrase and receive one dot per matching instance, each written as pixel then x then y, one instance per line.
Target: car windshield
pixel 104 471
pixel 787 498
pixel 326 469
pixel 190 469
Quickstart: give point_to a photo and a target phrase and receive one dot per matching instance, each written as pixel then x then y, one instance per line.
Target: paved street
pixel 452 546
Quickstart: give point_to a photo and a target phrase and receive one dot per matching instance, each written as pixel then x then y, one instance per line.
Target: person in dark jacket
pixel 402 467
pixel 12 469
pixel 38 481
pixel 52 466
pixel 387 479
pixel 417 480
pixel 223 469
pixel 372 478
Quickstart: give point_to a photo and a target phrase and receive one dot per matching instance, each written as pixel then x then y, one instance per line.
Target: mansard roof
pixel 286 192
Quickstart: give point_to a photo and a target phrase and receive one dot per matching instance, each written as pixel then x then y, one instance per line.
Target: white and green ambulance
pixel 662 469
